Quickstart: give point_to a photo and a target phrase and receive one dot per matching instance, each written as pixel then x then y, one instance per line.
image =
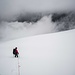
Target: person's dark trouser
pixel 16 55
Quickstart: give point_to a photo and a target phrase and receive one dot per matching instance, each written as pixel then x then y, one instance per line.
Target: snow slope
pixel 49 54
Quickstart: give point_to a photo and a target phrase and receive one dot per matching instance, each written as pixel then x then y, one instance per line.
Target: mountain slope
pixel 50 54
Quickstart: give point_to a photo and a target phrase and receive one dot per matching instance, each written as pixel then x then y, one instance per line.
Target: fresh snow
pixel 49 54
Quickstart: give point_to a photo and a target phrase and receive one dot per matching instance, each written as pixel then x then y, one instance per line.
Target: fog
pixel 11 7
pixel 16 29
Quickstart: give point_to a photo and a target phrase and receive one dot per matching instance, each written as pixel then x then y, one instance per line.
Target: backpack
pixel 14 51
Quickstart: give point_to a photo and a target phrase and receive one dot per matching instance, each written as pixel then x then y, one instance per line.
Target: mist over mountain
pixel 25 17
pixel 64 21
pixel 29 17
pixel 29 24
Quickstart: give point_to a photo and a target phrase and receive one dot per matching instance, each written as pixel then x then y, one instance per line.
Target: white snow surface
pixel 49 54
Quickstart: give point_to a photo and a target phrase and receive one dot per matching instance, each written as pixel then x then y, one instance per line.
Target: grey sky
pixel 10 7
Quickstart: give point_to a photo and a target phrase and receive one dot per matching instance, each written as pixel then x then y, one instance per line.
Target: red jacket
pixel 17 52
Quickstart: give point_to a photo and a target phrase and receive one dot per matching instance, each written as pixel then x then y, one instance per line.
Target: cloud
pixel 15 30
pixel 11 7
